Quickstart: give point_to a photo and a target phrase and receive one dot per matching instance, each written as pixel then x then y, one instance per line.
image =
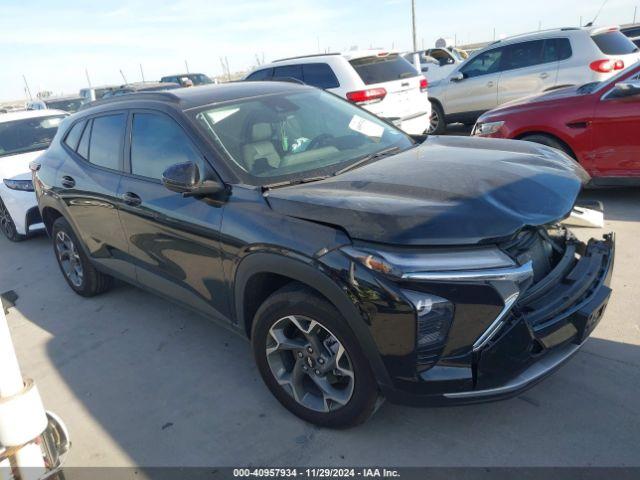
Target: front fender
pixel 309 272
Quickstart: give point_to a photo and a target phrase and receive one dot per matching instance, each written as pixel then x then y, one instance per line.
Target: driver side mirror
pixel 626 89
pixel 184 178
pixel 457 77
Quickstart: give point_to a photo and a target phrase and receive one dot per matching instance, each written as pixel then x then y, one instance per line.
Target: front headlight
pixel 22 185
pixel 489 128
pixel 398 263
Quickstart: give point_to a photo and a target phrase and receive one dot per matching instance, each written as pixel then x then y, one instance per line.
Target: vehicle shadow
pixel 620 203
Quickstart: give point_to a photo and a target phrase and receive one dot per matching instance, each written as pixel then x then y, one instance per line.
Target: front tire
pixel 8 226
pixel 75 266
pixel 437 125
pixel 549 142
pixel 311 361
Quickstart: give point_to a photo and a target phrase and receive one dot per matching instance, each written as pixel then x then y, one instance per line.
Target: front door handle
pixel 544 75
pixel 131 199
pixel 68 182
pixel 490 84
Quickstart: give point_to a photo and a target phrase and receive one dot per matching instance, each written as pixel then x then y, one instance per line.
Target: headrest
pixel 260 132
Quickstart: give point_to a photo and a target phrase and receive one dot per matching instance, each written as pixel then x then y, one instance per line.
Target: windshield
pixel 383 68
pixel 296 135
pixel 28 134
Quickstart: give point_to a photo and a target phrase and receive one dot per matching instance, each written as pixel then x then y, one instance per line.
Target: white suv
pixel 382 82
pixel 519 66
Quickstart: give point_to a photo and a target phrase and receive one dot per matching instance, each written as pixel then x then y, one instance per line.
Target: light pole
pixel 416 56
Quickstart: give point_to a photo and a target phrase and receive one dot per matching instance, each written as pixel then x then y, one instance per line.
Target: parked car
pixel 520 66
pixel 140 87
pixel 69 104
pixel 435 63
pixel 633 32
pixel 598 124
pixel 23 137
pixel 382 82
pixel 364 264
pixel 92 94
pixel 183 79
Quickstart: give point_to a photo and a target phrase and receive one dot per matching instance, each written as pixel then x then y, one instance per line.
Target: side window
pixel 288 71
pixel 105 145
pixel 484 64
pixel 556 49
pixel 73 137
pixel 319 75
pixel 157 142
pixel 83 146
pixel 522 55
pixel 264 74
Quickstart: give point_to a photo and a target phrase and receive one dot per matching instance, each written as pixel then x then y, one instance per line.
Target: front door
pixel 616 136
pixel 477 90
pixel 173 241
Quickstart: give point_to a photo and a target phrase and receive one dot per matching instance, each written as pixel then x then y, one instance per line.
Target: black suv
pixel 362 263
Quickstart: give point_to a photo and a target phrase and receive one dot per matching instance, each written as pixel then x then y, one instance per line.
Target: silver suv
pixel 527 64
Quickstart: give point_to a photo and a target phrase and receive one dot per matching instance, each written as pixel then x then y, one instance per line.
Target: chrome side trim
pixel 497 323
pixel 542 367
pixel 513 274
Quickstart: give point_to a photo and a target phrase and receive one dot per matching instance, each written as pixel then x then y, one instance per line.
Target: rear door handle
pixel 490 84
pixel 131 199
pixel 544 75
pixel 68 182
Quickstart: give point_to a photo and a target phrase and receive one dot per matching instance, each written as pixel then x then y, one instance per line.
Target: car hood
pixel 447 191
pixel 16 167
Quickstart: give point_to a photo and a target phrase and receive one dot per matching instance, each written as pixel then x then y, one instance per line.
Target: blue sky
pixel 52 42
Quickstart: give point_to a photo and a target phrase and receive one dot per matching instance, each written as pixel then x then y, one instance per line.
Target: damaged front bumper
pixel 547 325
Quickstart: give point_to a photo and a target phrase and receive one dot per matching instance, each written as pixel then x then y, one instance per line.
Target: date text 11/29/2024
pixel 365 472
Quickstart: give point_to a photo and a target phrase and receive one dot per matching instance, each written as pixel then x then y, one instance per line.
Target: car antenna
pixel 590 24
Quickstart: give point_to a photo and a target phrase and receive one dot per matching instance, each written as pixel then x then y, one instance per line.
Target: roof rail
pixel 165 96
pixel 305 56
pixel 520 35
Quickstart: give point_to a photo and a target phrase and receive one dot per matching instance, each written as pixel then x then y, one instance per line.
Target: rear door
pixel 89 187
pixel 173 241
pixel 400 80
pixel 527 68
pixel 477 92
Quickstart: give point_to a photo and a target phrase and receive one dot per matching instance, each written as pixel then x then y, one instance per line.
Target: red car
pixel 598 124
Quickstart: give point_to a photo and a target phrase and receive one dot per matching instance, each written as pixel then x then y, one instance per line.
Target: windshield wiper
pixel 368 158
pixel 296 181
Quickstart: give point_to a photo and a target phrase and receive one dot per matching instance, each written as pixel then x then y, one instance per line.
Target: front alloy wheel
pixel 310 363
pixel 7 225
pixel 310 359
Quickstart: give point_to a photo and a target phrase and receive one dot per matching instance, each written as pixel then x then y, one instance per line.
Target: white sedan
pixel 23 138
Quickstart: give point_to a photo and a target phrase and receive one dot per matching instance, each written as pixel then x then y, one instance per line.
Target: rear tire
pixel 75 266
pixel 549 142
pixel 8 226
pixel 315 368
pixel 437 124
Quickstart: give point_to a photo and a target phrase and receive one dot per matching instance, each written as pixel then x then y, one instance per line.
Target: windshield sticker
pixel 366 127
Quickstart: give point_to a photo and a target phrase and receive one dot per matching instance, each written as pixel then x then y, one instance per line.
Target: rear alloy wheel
pixel 437 125
pixel 8 226
pixel 311 361
pixel 78 271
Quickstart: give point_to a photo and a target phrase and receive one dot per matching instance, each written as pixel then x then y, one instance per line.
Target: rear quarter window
pixel 614 43
pixel 264 74
pixel 383 69
pixel 319 75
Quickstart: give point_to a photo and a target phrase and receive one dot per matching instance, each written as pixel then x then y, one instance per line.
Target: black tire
pixel 437 125
pixel 549 142
pixel 91 282
pixel 297 300
pixel 8 226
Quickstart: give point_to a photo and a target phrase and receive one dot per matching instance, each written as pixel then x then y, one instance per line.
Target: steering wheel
pixel 321 140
